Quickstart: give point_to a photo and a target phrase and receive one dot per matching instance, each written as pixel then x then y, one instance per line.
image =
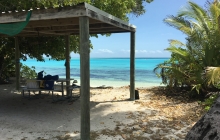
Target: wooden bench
pixel 71 88
pixel 39 90
pixel 34 87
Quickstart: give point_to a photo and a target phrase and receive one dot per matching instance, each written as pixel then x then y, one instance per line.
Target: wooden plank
pixel 95 12
pixel 32 33
pixel 53 22
pixel 39 89
pixel 67 64
pixel 65 16
pixel 73 28
pixel 132 67
pixel 58 22
pixel 51 28
pixel 69 27
pixel 17 63
pixel 44 14
pixel 111 20
pixel 69 30
pixel 35 33
pixel 84 78
pixel 65 20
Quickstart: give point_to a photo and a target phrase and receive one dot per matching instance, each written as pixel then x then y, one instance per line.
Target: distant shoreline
pixel 106 71
pixel 129 58
pixel 98 83
pixel 114 58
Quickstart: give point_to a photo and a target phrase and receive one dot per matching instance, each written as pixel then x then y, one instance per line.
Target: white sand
pixel 112 117
pixel 97 83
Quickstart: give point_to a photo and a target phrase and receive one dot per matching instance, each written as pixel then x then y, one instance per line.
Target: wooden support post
pixel 17 63
pixel 132 67
pixel 84 78
pixel 67 64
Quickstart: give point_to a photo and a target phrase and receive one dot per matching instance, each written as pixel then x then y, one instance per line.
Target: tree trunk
pixel 1 70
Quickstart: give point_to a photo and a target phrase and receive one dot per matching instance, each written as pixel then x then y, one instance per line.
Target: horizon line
pixel 110 58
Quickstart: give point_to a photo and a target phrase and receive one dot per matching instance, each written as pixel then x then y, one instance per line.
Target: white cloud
pixel 141 51
pixel 105 51
pixel 152 52
pixel 126 51
pixel 158 51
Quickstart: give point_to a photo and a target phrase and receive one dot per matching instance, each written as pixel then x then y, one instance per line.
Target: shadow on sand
pixel 40 118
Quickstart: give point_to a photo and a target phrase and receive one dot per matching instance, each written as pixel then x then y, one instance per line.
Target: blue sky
pixel 152 34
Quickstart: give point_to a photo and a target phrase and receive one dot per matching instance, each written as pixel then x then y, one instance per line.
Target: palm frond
pixel 214 11
pixel 177 70
pixel 173 42
pixel 195 25
pixel 179 51
pixel 186 12
pixel 197 87
pixel 201 16
pixel 213 75
pixel 179 23
pixel 196 13
pixel 199 12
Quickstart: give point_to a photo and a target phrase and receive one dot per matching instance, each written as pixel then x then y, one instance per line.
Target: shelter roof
pixel 65 21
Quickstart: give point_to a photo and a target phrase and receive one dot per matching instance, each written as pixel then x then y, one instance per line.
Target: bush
pixel 28 72
pixel 209 101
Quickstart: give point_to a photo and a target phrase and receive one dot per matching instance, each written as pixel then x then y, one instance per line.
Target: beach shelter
pixel 82 19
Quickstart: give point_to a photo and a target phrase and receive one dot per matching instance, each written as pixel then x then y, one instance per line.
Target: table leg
pixel 29 94
pixel 52 96
pixel 62 89
pixel 23 92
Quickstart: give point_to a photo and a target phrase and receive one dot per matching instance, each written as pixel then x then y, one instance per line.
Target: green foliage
pixel 118 8
pixel 188 61
pixel 12 5
pixel 213 76
pixel 54 47
pixel 7 58
pixel 179 70
pixel 209 101
pixel 27 72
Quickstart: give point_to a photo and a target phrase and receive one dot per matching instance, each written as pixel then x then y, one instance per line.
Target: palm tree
pixel 202 46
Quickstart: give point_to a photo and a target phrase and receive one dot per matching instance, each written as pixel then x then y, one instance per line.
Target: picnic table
pixel 33 85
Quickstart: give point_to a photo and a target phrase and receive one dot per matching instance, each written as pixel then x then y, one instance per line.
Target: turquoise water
pixel 106 71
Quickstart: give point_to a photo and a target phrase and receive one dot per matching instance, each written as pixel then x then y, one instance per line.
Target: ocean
pixel 105 71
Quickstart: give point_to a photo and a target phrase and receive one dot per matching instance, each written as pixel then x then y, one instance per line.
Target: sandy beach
pixel 113 117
